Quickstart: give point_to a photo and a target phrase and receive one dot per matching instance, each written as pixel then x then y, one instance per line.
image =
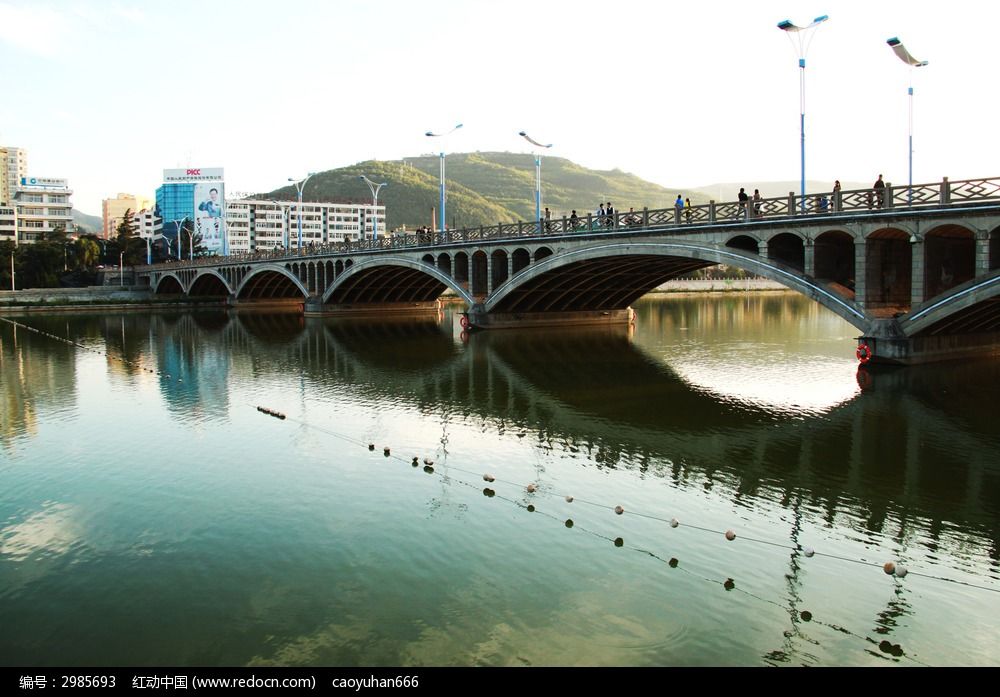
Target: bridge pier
pixel 809 258
pixel 890 345
pixel 917 267
pixel 314 307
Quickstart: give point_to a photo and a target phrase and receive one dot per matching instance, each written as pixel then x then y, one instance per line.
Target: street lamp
pixel 904 55
pixel 121 269
pixel 538 177
pixel 299 186
pixel 431 134
pixel 177 233
pixel 374 188
pixel 804 38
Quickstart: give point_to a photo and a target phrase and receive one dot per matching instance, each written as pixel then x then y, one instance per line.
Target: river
pixel 151 514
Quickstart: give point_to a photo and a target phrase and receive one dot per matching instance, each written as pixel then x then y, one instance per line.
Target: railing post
pixel 945 192
pixel 565 227
pixel 888 195
pixel 645 216
pixel 791 203
pixel 711 211
pixel 590 222
pixel 520 227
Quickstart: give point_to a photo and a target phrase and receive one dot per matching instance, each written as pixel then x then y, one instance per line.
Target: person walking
pixel 548 220
pixel 599 214
pixel 756 203
pixel 609 214
pixel 687 209
pixel 879 188
pixel 678 208
pixel 574 221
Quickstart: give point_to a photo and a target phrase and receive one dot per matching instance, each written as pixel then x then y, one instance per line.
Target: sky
pixel 108 93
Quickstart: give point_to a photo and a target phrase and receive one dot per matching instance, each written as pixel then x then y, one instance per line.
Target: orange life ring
pixel 864 353
pixel 464 321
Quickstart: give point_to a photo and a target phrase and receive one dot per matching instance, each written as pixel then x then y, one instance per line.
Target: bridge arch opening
pixel 480 268
pixel 461 274
pixel 444 264
pixel 889 264
pixel 169 285
pixel 208 285
pixel 744 243
pixel 499 260
pixel 520 260
pixel 834 259
pixel 949 258
pixel 789 249
pixel 348 264
pixel 338 268
pixel 541 253
pixel 428 259
pixel 396 281
pixel 311 285
pixel 269 284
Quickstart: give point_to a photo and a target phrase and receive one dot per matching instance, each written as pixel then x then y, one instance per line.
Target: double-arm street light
pixel 375 188
pixel 178 223
pixel 904 55
pixel 804 37
pixel 431 134
pixel 538 176
pixel 299 186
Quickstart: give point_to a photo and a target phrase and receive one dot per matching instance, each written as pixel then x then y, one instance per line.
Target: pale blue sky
pixel 108 93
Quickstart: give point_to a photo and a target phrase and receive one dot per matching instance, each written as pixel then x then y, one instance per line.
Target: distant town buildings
pixel 30 207
pixel 265 225
pixel 114 209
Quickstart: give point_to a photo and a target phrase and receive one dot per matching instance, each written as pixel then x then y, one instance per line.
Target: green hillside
pixel 484 188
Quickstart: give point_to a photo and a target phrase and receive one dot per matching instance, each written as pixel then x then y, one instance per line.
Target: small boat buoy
pixel 428 469
pixel 730 535
pixel 901 571
pixel 428 461
pixel 532 488
pixel 385 451
pixel 808 551
pixel 569 522
pixel 673 562
pixel 806 616
pixel 889 567
pixel 729 584
pixel 619 542
pixel 569 499
pixel 531 509
pixel 488 477
pixel 415 462
pixel 371 446
pixel 489 493
pixel 674 522
pixel 619 510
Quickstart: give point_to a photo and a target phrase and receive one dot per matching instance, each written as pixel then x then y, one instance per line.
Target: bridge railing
pixel 936 194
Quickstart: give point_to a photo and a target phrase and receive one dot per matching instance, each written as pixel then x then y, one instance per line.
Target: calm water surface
pixel 149 514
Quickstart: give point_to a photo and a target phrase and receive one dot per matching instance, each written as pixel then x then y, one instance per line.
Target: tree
pixel 128 243
pixel 86 253
pixel 7 250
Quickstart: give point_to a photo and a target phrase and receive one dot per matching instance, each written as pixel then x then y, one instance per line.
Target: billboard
pixel 209 216
pixel 193 174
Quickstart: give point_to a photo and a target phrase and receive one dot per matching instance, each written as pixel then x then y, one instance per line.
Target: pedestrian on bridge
pixel 548 220
pixel 879 188
pixel 687 209
pixel 574 221
pixel 743 203
pixel 678 207
pixel 609 213
pixel 599 214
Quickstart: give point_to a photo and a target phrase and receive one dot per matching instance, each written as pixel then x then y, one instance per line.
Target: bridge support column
pixel 982 252
pixel 809 258
pixel 762 250
pixel 489 274
pixel 516 320
pixel 860 273
pixel 917 258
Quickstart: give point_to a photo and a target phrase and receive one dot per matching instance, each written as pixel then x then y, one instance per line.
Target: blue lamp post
pixel 904 55
pixel 538 177
pixel 299 186
pixel 375 188
pixel 804 37
pixel 431 134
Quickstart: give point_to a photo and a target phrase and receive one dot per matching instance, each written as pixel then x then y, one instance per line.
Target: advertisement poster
pixel 209 221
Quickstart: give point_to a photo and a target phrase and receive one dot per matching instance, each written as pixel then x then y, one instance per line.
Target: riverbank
pixel 92 299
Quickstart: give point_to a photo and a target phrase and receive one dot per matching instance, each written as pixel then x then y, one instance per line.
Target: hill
pixel 87 223
pixel 484 188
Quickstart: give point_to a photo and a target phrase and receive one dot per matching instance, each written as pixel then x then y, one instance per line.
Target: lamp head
pixel 786 25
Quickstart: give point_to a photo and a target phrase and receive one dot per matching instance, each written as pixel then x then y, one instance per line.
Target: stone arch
pixel 541 253
pixel 834 258
pixel 520 260
pixel 392 279
pixel 209 283
pixel 460 269
pixel 612 275
pixel 310 271
pixel 889 264
pixel 338 268
pixel 499 267
pixel 271 281
pixel 480 270
pixel 787 248
pixel 949 258
pixel 348 264
pixel 748 243
pixel 971 308
pixel 169 284
pixel 428 259
pixel 444 263
pixel 994 249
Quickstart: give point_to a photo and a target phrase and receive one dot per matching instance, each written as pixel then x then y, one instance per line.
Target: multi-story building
pixel 114 209
pixel 264 225
pixel 13 167
pixel 8 224
pixel 197 195
pixel 43 204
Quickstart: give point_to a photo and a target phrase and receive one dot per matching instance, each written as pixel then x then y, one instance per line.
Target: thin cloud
pixel 38 30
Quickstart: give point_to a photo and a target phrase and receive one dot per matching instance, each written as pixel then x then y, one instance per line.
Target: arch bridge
pixel 915 270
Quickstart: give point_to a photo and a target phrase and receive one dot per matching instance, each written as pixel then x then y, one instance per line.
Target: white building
pixel 43 203
pixel 146 224
pixel 13 166
pixel 8 224
pixel 255 225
